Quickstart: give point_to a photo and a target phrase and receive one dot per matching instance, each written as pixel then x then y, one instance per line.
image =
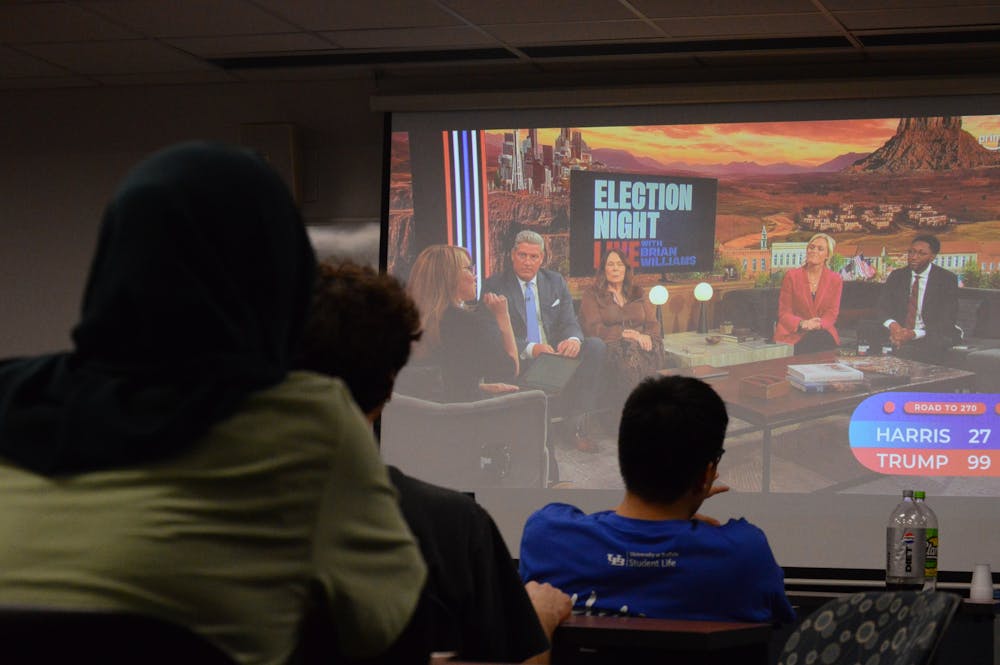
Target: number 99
pixel 979 462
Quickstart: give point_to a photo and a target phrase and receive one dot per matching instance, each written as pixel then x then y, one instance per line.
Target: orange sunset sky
pixel 807 143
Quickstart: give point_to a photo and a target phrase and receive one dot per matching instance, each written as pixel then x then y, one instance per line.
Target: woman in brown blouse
pixel 618 311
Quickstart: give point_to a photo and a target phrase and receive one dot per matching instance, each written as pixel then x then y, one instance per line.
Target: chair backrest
pixel 494 442
pixel 754 309
pixel 49 635
pixel 900 627
pixel 423 381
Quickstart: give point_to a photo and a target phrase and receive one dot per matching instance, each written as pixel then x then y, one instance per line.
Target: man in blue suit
pixel 544 321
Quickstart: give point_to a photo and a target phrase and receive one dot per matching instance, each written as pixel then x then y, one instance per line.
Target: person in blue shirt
pixel 651 556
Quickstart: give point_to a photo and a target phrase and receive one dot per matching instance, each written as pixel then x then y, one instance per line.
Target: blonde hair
pixel 831 244
pixel 433 285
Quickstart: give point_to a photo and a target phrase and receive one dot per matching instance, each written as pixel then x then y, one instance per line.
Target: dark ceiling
pixel 424 45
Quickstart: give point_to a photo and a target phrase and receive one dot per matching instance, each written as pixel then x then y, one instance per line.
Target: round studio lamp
pixel 703 293
pixel 658 295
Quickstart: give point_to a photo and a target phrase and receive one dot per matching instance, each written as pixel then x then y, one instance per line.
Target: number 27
pixel 979 435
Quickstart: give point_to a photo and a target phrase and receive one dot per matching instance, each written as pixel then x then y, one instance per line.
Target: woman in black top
pixel 473 345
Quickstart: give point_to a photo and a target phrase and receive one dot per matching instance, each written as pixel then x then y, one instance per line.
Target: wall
pixel 62 153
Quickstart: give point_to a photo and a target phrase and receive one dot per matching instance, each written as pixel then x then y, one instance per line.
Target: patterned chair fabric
pixel 872 628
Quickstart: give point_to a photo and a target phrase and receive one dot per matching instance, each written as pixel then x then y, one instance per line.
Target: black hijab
pixel 197 297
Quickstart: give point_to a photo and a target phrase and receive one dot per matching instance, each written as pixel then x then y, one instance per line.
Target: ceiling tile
pixel 55 22
pixel 19 65
pixel 708 8
pixel 323 15
pixel 413 38
pixel 119 57
pixel 775 25
pixel 539 11
pixel 588 32
pixel 236 45
pixel 944 5
pixel 920 17
pixel 190 18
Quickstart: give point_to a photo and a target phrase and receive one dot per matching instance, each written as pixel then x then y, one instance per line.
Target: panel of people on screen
pixel 480 348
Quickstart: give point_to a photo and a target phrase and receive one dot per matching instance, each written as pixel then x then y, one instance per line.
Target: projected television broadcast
pixel 711 230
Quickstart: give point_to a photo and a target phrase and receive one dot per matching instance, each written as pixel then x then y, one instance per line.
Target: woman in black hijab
pixel 196 298
pixel 173 442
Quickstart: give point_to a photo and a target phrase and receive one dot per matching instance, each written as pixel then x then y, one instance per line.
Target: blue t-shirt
pixel 670 569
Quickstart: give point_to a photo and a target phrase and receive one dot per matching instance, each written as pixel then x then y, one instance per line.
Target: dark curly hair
pixel 360 329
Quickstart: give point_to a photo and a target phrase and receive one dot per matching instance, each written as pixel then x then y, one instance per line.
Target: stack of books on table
pixel 821 377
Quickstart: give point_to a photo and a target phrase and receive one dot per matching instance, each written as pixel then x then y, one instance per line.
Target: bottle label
pixel 931 554
pixel 906 551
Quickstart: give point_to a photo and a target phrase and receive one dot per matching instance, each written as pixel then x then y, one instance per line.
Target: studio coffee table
pixel 881 375
pixel 690 349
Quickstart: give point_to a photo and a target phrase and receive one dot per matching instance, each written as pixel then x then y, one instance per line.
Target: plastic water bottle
pixel 931 539
pixel 905 546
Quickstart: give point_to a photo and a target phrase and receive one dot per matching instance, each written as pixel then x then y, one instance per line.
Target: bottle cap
pixel 919 494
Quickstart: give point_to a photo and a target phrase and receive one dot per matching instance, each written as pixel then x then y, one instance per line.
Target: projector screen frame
pixel 761 102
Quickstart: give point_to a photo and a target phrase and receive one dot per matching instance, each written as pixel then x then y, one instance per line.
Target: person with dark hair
pixel 171 464
pixel 652 555
pixel 617 310
pixel 544 321
pixel 362 327
pixel 809 302
pixel 918 306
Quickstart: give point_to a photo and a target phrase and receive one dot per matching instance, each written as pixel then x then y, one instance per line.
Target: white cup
pixel 981 589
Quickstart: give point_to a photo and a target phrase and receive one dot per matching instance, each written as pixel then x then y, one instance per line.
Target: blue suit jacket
pixel 558 316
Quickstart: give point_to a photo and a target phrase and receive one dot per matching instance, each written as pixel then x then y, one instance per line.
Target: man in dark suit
pixel 918 305
pixel 544 321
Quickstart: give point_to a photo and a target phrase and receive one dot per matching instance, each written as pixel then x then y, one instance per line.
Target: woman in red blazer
pixel 810 301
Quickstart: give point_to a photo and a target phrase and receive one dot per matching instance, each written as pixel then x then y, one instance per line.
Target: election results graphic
pixel 928 434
